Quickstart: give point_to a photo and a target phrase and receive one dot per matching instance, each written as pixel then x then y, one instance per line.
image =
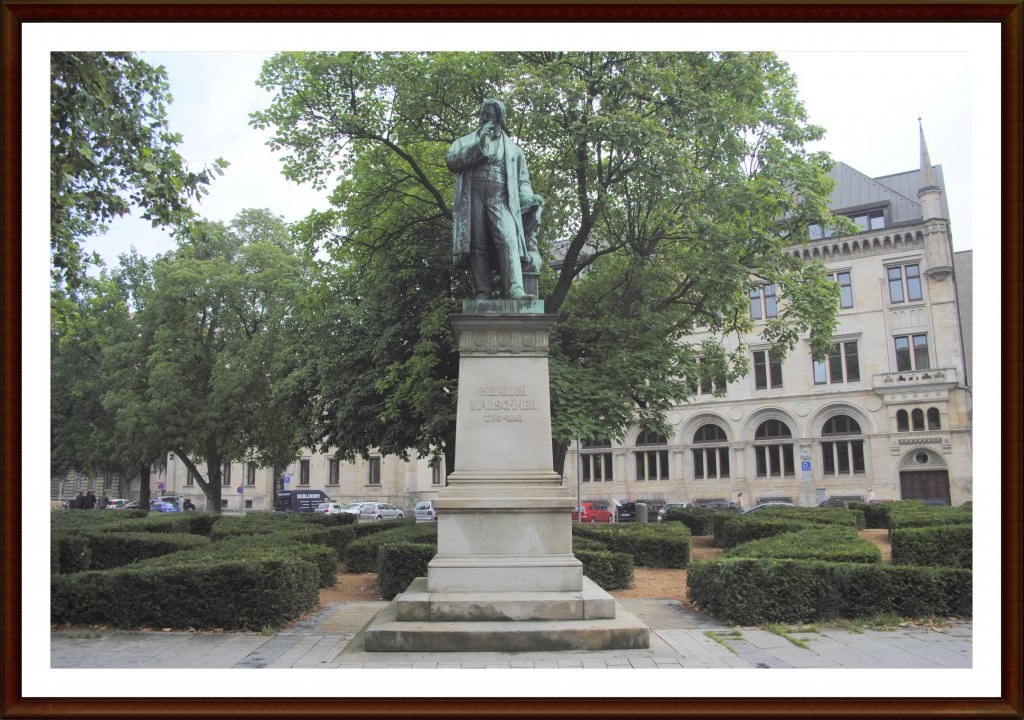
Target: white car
pixel 380 511
pixel 353 508
pixel 330 508
pixel 425 511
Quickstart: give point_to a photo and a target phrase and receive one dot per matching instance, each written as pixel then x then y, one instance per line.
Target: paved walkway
pixel 680 638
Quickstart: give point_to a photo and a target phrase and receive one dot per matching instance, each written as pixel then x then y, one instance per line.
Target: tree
pixel 216 315
pixel 111 149
pixel 673 183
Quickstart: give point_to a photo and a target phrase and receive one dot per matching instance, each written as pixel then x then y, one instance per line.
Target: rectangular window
pixel 303 472
pixel 708 385
pixel 767 370
pixel 373 471
pixel 845 287
pixel 773 460
pixel 435 473
pixel 250 474
pixel 223 504
pixel 842 458
pixel 904 283
pixel 905 360
pixel 652 465
pixel 597 467
pixel 871 220
pixel 248 504
pixel 710 463
pixel 225 475
pixel 333 471
pixel 189 480
pixel 842 365
pixel 763 303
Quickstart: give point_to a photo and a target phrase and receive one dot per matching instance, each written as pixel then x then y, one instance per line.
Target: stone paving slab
pixel 332 638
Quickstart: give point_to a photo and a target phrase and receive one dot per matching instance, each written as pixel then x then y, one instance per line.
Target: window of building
pixel 248 504
pixel 845 456
pixel 911 352
pixel 707 385
pixel 435 473
pixel 250 473
pixel 904 283
pixel 767 370
pixel 933 419
pixel 841 366
pixel 773 455
pixel 869 220
pixel 917 419
pixel 763 303
pixel 651 464
pixel 845 287
pixel 711 456
pixel 189 480
pixel 333 471
pixel 223 504
pixel 373 471
pixel 225 475
pixel 902 421
pixel 303 472
pixel 596 460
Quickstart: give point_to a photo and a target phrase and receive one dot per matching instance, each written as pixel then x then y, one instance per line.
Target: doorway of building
pixel 925 485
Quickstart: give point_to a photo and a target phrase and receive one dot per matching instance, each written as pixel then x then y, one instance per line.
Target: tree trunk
pixel 558 451
pixel 210 489
pixel 144 486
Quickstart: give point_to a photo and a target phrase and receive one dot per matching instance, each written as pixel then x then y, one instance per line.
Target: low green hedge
pixel 659 545
pixel 811 515
pixel 260 588
pixel 582 543
pixel 115 549
pixel 361 554
pixel 757 591
pixel 940 546
pixel 913 513
pixel 831 543
pixel 609 570
pixel 730 532
pixel 69 554
pixel 701 521
pixel 399 564
pixel 876 515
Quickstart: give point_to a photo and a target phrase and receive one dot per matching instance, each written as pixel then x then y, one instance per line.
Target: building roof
pixel 854 189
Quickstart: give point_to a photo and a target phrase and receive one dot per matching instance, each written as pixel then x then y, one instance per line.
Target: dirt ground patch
pixel 879 537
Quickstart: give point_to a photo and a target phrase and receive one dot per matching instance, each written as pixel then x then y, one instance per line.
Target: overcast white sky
pixel 866 94
pixel 867 97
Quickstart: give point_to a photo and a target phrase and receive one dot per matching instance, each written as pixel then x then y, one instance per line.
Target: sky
pixel 867 95
pixel 867 99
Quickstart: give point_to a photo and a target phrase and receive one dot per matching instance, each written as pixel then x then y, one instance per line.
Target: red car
pixel 592 514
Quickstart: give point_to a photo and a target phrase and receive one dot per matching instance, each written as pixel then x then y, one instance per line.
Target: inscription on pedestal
pixel 503 404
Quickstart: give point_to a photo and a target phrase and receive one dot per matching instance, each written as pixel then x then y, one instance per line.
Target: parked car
pixel 714 504
pixel 158 505
pixel 117 503
pixel 299 500
pixel 670 506
pixel 592 514
pixel 770 503
pixel 835 503
pixel 380 511
pixel 627 510
pixel 352 508
pixel 330 508
pixel 425 511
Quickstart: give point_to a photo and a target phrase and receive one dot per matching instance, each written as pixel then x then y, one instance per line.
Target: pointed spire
pixel 928 179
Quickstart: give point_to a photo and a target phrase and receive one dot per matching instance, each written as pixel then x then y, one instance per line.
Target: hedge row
pixel 832 544
pixel 399 564
pixel 756 591
pixel 738 529
pixel 324 557
pixel 69 554
pixel 913 513
pixel 361 556
pixel 252 591
pixel 192 523
pixel 812 515
pixel 116 549
pixel 609 570
pixel 940 546
pixel 701 521
pixel 661 545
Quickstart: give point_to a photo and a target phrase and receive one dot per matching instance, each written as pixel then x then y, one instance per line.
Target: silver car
pixel 380 511
pixel 425 511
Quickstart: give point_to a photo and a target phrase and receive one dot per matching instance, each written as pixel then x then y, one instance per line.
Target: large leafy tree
pixel 217 316
pixel 111 149
pixel 673 183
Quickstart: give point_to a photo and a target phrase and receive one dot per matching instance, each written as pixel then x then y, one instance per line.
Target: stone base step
pixel 418 604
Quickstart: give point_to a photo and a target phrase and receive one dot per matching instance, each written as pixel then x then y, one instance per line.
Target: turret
pixel 937 240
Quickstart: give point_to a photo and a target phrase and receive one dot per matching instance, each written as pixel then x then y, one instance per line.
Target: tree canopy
pixel 111 149
pixel 673 184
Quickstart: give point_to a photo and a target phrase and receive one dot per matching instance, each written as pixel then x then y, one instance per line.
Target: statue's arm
pixel 464 154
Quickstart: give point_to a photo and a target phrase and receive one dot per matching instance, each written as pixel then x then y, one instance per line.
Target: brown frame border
pixel 13 15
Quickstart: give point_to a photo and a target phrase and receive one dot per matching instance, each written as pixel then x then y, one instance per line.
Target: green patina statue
pixel 496 213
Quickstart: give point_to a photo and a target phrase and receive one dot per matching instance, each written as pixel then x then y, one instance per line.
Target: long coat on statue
pixel 462 156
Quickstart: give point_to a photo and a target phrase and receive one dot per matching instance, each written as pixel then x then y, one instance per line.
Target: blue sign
pixel 805 465
pixel 240 489
pixel 287 479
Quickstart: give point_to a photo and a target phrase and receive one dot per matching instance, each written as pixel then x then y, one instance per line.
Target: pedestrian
pixel 103 502
pixel 739 502
pixel 188 505
pixel 90 500
pixel 78 502
pixel 871 495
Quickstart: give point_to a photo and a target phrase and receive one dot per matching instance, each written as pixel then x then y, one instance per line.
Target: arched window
pixel 933 419
pixel 596 460
pixel 711 458
pixel 917 419
pixel 902 421
pixel 651 464
pixel 842 456
pixel 773 456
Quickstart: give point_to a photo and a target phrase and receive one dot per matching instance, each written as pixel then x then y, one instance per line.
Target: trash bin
pixel 641 512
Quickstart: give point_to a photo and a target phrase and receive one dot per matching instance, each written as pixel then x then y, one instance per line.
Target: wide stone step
pixel 417 604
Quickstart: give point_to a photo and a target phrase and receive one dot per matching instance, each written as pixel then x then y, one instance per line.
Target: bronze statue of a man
pixel 496 213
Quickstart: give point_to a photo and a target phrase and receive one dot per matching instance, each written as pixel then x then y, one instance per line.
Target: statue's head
pixel 492 111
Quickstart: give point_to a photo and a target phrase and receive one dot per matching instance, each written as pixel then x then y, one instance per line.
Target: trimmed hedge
pixel 69 554
pixel 361 554
pixel 115 549
pixel 757 591
pixel 876 515
pixel 701 521
pixel 323 557
pixel 940 546
pixel 609 570
pixel 738 529
pixel 399 564
pixel 914 513
pixel 252 591
pixel 832 544
pixel 811 515
pixel 659 545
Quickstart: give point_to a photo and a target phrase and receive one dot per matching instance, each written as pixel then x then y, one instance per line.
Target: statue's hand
pixel 533 261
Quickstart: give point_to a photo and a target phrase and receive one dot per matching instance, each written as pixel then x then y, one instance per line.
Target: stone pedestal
pixel 504 571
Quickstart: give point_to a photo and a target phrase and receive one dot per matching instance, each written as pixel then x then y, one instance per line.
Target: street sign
pixel 161 486
pixel 805 465
pixel 287 479
pixel 240 489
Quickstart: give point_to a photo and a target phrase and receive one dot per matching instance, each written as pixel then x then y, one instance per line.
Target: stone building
pixel 889 411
